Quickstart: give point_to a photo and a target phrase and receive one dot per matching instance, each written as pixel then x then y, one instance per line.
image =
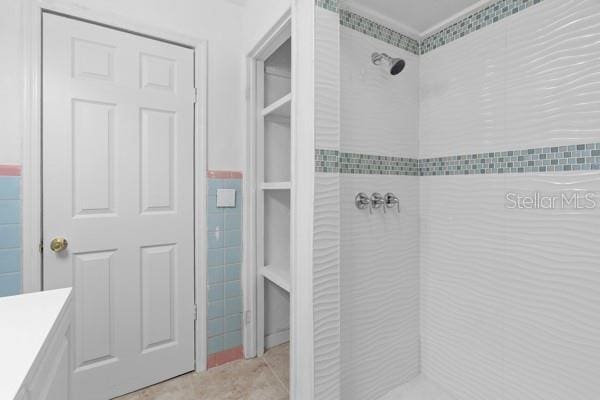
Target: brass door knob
pixel 58 244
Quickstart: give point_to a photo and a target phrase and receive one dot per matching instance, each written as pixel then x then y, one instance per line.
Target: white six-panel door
pixel 118 184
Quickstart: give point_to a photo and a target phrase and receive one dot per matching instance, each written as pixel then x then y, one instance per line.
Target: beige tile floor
pixel 263 378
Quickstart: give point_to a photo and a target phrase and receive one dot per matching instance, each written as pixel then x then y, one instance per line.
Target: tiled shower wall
pixel 326 238
pixel 510 298
pixel 379 277
pixel 225 302
pixel 507 299
pixel 10 230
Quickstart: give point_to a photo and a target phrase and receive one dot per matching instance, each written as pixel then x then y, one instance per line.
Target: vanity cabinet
pixel 35 343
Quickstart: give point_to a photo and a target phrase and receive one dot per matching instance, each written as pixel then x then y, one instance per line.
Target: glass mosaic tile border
pixel 331 5
pixel 490 14
pixel 580 157
pixel 333 161
pixel 367 164
pixel 375 30
pixel 327 161
pixel 475 21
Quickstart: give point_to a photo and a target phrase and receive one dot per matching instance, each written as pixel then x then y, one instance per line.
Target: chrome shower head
pixel 395 65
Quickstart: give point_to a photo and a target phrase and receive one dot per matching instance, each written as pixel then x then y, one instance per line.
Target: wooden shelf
pixel 281 108
pixel 279 275
pixel 276 186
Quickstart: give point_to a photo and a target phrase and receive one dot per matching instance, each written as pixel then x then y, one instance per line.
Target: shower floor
pixel 419 388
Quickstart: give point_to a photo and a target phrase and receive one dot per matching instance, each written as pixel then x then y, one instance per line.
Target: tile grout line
pixel 285 388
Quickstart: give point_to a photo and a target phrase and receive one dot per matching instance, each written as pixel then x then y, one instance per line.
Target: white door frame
pixel 300 18
pixel 271 41
pixel 32 146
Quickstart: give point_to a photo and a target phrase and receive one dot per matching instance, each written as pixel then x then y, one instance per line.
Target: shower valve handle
pixel 391 201
pixel 362 201
pixel 377 201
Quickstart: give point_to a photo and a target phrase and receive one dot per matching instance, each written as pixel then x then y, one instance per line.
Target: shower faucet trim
pixel 362 201
pixel 391 201
pixel 377 201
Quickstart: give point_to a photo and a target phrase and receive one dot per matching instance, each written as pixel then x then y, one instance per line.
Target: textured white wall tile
pixel 379 111
pixel 553 74
pixel 530 80
pixel 462 254
pixel 551 293
pixel 380 286
pixel 462 95
pixel 509 298
pixel 326 290
pixel 327 79
pixel 326 257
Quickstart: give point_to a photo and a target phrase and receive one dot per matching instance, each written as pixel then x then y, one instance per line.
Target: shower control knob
pixel 362 201
pixel 391 201
pixel 377 201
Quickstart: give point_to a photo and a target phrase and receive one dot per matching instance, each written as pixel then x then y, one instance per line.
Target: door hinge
pixel 248 317
pixel 195 95
pixel 195 312
pixel 41 247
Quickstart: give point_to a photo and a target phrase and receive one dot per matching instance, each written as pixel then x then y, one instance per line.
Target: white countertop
pixel 25 322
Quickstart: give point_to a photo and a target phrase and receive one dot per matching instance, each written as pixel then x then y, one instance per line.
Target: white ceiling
pixel 418 17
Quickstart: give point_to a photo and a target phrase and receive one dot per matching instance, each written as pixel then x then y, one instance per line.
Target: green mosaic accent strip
pixel 331 5
pixel 475 21
pixel 581 157
pixel 327 161
pixel 364 25
pixel 333 161
pixel 367 164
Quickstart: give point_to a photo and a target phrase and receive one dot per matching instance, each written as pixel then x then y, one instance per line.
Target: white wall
pixel 219 22
pixel 10 82
pixel 231 28
pixel 258 18
pixel 510 299
pixel 379 252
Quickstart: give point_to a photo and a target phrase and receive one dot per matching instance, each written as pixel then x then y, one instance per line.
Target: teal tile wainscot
pixel 10 230
pixel 224 271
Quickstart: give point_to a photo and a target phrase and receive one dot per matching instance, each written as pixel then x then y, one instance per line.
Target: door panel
pixel 158 295
pixel 93 158
pixel 95 311
pixel 93 60
pixel 157 72
pixel 158 160
pixel 118 184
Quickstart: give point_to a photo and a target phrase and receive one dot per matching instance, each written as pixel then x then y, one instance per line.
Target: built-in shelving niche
pixel 273 199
